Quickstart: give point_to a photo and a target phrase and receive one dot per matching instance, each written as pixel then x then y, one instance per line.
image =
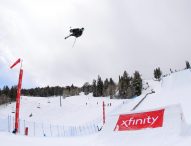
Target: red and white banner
pixel 18 95
pixel 18 61
pixel 137 121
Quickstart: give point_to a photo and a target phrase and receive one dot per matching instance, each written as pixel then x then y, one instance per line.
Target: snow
pixel 8 139
pixel 172 93
pixel 174 89
pixel 172 127
pixel 72 108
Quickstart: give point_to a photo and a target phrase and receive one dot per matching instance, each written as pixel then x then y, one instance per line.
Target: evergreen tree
pixel 105 88
pixel 137 83
pixel 48 93
pixel 111 88
pixel 5 90
pixel 66 91
pixel 43 92
pixel 94 88
pixel 13 93
pixel 187 65
pixel 157 73
pixel 86 88
pixel 99 86
pixel 124 83
pixel 6 95
pixel 119 86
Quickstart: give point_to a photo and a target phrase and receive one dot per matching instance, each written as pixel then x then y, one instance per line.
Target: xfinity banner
pixel 139 121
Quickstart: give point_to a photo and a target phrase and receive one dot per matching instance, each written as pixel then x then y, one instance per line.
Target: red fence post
pixel 103 113
pixel 26 131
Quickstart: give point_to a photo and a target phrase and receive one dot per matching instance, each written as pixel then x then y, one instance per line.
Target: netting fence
pixel 7 124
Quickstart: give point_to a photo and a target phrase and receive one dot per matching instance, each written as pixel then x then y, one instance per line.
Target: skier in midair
pixel 76 32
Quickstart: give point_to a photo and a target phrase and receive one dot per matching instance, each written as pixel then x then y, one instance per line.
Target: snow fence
pixel 49 130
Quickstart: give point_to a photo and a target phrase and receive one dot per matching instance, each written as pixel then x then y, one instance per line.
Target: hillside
pixel 172 93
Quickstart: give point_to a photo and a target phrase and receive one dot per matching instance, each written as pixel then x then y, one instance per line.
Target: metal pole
pixel 60 101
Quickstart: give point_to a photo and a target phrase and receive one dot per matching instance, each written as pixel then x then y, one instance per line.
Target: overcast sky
pixel 119 35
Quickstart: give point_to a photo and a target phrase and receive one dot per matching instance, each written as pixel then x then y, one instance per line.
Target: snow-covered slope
pixel 73 110
pixel 174 89
pixel 172 93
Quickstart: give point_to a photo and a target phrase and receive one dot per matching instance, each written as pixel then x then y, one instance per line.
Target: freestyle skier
pixel 76 32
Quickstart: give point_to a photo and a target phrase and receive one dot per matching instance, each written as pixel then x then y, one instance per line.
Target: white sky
pixel 119 35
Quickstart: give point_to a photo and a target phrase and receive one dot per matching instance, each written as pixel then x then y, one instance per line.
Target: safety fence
pixel 49 130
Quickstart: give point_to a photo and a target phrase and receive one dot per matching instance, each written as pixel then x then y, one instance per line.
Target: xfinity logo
pixel 132 121
pixel 138 121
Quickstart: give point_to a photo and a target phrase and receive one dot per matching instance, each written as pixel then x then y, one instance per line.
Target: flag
pixel 18 61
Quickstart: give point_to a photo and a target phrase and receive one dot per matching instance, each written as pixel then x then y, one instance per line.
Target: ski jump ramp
pixel 151 127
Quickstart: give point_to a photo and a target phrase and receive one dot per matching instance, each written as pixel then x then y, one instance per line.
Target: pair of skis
pixel 74 40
